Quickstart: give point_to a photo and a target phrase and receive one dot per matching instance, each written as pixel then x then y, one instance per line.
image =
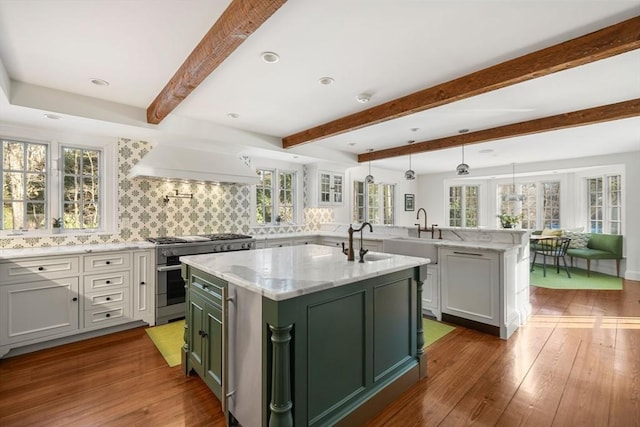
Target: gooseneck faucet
pixel 425 228
pixel 349 251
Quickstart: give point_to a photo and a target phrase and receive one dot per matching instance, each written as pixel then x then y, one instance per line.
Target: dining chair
pixel 556 248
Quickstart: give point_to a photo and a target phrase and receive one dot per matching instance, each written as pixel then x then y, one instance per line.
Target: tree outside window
pixel 373 203
pixel 24 184
pixel 539 207
pixel 81 188
pixel 463 205
pixel 270 210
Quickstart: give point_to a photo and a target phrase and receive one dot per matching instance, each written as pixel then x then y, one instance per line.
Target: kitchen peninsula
pixel 301 336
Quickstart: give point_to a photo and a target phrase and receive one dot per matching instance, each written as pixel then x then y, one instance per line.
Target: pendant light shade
pixel 462 168
pixel 410 174
pixel 513 197
pixel 369 178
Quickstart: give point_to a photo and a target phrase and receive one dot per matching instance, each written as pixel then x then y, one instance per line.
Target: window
pixel 604 200
pixel 24 185
pixel 374 203
pixel 281 209
pixel 540 204
pixel 81 188
pixel 34 192
pixel 463 206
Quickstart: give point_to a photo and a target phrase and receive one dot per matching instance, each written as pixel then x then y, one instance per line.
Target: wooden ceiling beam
pixel 589 116
pixel 241 19
pixel 595 46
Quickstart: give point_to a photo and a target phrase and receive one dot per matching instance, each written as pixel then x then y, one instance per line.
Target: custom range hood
pixel 188 164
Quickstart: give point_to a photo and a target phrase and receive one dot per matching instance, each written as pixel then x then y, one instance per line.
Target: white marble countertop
pixel 8 254
pixel 288 272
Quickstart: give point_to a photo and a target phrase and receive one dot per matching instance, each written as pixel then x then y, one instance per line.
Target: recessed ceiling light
pixel 233 115
pixel 486 151
pixel 363 98
pixel 99 82
pixel 270 57
pixel 411 141
pixel 52 116
pixel 351 144
pixel 326 80
pixel 415 129
pixel 463 131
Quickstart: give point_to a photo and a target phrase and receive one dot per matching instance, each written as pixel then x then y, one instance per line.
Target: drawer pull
pixel 142 283
pixel 108 298
pixel 466 253
pixel 108 262
pixel 40 268
pixel 108 315
pixel 108 282
pixel 74 299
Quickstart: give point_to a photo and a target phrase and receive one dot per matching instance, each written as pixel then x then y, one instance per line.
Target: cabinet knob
pixel 108 262
pixel 108 282
pixel 142 283
pixel 40 268
pixel 108 315
pixel 74 299
pixel 108 298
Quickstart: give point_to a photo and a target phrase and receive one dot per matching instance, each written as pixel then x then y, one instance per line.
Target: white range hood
pixel 188 164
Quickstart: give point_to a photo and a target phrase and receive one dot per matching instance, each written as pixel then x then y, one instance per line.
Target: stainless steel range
pixel 170 294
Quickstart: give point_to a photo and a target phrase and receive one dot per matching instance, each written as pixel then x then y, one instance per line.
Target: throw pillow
pixel 578 240
pixel 549 232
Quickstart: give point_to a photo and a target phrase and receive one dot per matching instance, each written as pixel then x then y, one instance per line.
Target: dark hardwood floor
pixel 576 363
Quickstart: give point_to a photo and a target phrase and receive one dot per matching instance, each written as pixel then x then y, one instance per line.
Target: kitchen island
pixel 301 336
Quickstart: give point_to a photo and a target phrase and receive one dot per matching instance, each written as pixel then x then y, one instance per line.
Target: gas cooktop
pixel 169 240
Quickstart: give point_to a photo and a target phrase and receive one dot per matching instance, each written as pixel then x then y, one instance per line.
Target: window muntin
pixel 463 205
pixel 373 203
pixel 604 204
pixel 81 182
pixel 270 209
pixel 23 174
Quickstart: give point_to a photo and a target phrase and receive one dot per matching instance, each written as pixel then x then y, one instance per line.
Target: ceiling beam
pixel 239 20
pixel 601 44
pixel 590 116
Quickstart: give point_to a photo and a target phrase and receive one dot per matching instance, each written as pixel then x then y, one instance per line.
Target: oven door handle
pixel 164 268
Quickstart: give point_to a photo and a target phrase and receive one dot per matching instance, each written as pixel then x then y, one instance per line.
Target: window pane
pixel 13 156
pixel 35 215
pixel 12 214
pixel 90 189
pixel 72 161
pixel 90 163
pixel 36 158
pixel 13 186
pixel 90 215
pixel 81 188
pixel 36 186
pixel 71 216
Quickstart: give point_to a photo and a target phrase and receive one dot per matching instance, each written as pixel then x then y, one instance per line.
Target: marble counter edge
pixel 407 262
pixel 11 254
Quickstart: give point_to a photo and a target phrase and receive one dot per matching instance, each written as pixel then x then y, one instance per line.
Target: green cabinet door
pixel 196 330
pixel 213 349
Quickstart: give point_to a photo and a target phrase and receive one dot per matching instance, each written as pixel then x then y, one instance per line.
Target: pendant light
pixel 369 178
pixel 410 175
pixel 462 168
pixel 513 197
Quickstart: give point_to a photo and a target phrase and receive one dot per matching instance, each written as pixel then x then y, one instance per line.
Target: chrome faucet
pixel 433 226
pixel 349 251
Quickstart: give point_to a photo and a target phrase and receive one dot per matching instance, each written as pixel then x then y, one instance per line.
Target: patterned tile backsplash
pixel 144 213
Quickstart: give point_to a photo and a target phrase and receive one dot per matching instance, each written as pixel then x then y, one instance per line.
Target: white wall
pixel 432 195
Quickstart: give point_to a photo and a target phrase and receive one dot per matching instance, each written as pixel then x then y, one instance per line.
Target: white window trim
pixel 298 215
pixel 109 185
pixel 366 201
pixel 482 194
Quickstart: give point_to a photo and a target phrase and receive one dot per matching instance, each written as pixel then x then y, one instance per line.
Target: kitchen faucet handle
pixel 345 250
pixel 362 253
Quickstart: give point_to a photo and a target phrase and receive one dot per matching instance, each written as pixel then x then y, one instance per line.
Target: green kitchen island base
pixel 336 356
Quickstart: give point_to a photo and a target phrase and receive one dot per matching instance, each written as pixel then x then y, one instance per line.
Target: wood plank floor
pixel 576 363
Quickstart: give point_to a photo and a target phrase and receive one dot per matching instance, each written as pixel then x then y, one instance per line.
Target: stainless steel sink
pixel 412 247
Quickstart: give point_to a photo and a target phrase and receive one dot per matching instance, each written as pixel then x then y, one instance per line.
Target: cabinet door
pixel 213 343
pixel 430 293
pixel 331 188
pixel 38 309
pixel 143 287
pixel 196 332
pixel 470 285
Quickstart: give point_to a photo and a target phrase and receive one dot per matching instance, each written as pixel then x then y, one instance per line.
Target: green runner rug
pixel 433 331
pixel 578 280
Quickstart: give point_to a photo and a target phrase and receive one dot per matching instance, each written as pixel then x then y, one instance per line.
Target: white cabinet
pixel 48 297
pixel 37 309
pixel 325 187
pixel 143 286
pixel 470 284
pixel 431 293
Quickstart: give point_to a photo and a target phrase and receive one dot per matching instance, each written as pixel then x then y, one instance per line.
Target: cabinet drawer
pixel 103 316
pixel 96 282
pixel 32 269
pixel 209 286
pixel 102 298
pixel 107 261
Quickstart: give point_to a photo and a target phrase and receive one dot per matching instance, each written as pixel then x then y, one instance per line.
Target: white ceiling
pixel 388 48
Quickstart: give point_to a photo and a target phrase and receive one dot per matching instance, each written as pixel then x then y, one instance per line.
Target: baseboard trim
pixel 471 324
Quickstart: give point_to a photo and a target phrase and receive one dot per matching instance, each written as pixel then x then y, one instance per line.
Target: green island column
pixel 281 403
pixel 420 331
